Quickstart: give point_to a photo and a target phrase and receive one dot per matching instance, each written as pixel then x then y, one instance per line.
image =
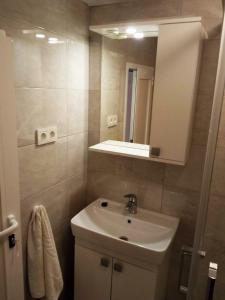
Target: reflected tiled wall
pixel 173 190
pixel 115 55
pixel 52 83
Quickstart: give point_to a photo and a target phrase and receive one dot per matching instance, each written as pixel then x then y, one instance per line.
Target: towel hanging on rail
pixel 44 272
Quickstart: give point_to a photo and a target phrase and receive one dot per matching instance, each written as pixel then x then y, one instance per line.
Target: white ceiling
pixel 103 2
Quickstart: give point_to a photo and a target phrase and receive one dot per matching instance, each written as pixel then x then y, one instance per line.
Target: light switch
pixel 46 135
pixel 112 121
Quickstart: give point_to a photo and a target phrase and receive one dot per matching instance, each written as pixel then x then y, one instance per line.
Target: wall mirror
pixel 146 102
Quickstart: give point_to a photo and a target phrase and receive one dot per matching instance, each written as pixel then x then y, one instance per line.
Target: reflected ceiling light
pixel 55 42
pixel 40 35
pixel 139 35
pixel 116 32
pixel 52 39
pixel 131 30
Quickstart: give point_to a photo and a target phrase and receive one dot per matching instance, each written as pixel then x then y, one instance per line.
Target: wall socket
pixel 46 135
pixel 112 121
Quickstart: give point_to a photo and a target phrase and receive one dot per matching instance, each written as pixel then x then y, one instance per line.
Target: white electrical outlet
pixel 112 121
pixel 46 135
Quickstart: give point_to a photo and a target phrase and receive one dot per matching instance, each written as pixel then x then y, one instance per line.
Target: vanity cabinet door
pixel 132 283
pixel 93 272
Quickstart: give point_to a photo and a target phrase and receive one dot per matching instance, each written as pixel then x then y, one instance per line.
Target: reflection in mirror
pixel 138 103
pixel 127 76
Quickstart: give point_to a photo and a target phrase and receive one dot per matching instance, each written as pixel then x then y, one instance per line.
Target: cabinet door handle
pixel 104 262
pixel 155 151
pixel 118 267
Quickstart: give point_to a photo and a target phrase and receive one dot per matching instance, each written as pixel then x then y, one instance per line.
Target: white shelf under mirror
pixel 125 149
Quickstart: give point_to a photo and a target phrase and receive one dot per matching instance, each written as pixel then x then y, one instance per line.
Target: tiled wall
pixel 51 82
pixel 173 190
pixel 115 55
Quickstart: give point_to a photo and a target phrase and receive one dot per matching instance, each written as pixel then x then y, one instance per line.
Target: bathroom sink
pixel 107 224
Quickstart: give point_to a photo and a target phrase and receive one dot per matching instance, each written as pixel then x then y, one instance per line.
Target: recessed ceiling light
pixel 131 30
pixel 139 35
pixel 40 35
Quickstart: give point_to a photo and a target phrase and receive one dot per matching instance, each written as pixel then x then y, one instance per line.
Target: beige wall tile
pixel 218 179
pixel 68 17
pixel 188 177
pixel 76 195
pixel 109 105
pixel 135 10
pixel 215 220
pixel 27 62
pixel 55 110
pixel 149 171
pixel 206 8
pixel 207 76
pixel 99 162
pixel 37 108
pixel 203 112
pixel 77 155
pixel 77 116
pixel 29 114
pixel 150 195
pixel 94 110
pixel 93 137
pixel 53 64
pixel 109 186
pixel 181 204
pixel 41 167
pixel 95 61
pixel 199 137
pixel 77 18
pixel 38 63
pixel 77 64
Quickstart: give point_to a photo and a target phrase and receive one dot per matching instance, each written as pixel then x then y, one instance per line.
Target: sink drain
pixel 124 238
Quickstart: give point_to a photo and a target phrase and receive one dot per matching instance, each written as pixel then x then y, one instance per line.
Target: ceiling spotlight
pixel 139 35
pixel 40 35
pixel 131 30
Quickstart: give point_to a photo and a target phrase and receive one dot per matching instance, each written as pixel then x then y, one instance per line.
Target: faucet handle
pixel 131 197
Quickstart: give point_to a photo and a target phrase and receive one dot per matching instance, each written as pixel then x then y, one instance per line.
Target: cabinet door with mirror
pixel 148 81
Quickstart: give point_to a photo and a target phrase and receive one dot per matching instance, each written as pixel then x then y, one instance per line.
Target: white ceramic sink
pixel 106 223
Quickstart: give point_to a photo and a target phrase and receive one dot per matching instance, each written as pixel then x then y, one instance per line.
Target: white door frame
pixel 148 70
pixel 9 177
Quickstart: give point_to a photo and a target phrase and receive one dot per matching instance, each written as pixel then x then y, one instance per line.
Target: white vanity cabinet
pixel 92 275
pixel 102 277
pixel 176 82
pixel 131 282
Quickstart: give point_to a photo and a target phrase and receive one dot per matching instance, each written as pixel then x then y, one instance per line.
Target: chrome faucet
pixel 131 205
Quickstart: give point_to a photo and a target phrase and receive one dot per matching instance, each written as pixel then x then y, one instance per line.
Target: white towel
pixel 44 272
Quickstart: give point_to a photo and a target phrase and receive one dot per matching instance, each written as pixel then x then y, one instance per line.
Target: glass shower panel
pixel 205 282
